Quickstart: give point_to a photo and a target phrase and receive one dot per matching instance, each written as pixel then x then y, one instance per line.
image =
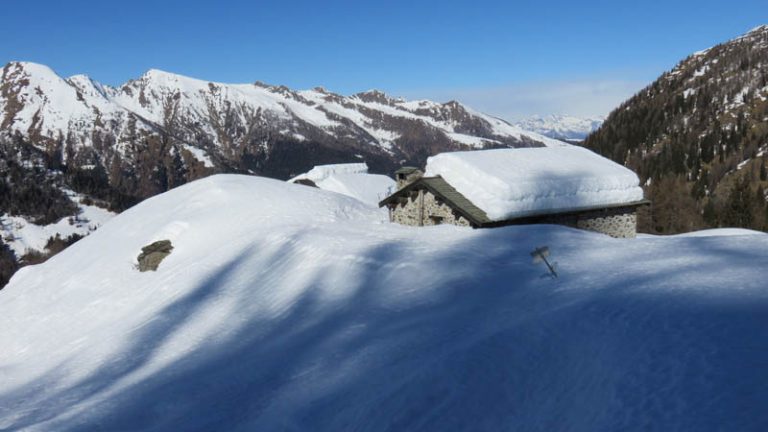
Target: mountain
pixel 115 146
pixel 698 138
pixel 562 127
pixel 191 127
pixel 285 307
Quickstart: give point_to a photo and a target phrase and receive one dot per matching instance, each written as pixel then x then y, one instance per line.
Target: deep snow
pixel 284 307
pixel 510 183
pixel 350 179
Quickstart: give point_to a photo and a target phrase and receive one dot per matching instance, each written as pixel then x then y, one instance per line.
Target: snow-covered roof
pixel 511 183
pixel 350 179
pixel 321 172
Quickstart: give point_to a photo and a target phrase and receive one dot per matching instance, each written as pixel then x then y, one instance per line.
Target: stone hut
pixel 482 189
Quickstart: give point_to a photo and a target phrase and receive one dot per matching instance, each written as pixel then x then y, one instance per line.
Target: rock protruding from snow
pixel 510 183
pixel 350 179
pixel 153 254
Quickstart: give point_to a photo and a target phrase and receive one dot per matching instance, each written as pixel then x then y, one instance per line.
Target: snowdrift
pixel 511 183
pixel 351 179
pixel 284 307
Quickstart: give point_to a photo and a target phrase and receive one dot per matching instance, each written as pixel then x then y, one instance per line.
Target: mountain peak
pixel 32 68
pixel 374 95
pixel 157 73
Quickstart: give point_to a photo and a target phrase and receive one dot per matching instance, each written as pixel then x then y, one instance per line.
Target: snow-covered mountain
pixel 206 125
pixel 286 307
pixel 561 127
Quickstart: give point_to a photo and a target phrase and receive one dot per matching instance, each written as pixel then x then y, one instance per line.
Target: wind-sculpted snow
pixel 284 307
pixel 350 179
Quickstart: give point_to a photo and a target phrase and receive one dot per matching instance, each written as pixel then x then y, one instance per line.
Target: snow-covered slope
pixel 284 307
pixel 561 127
pixel 23 236
pixel 351 180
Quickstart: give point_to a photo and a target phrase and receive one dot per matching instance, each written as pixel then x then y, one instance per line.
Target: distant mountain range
pixel 208 126
pixel 561 127
pixel 698 138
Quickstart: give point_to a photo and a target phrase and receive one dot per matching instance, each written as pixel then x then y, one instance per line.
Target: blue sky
pixel 508 58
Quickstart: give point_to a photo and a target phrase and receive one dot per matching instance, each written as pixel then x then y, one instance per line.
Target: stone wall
pixel 618 222
pixel 422 208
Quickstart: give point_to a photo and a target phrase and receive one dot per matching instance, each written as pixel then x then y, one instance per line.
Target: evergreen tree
pixel 8 264
pixel 740 208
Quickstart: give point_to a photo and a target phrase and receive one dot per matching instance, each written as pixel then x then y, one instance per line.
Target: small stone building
pixel 423 200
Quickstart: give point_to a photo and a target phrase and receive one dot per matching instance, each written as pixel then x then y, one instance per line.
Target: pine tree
pixel 740 208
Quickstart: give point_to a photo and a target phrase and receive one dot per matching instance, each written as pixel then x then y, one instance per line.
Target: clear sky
pixel 507 58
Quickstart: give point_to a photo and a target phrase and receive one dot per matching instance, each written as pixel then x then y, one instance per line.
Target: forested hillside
pixel 698 138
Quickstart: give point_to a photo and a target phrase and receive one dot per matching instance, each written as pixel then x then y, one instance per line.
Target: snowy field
pixel 288 308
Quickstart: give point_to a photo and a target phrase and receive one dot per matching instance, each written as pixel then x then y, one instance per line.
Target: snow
pixel 383 136
pixel 322 172
pixel 509 183
pixel 352 180
pixel 721 232
pixel 368 188
pixel 200 155
pixel 284 307
pixel 701 71
pixel 742 164
pixel 23 236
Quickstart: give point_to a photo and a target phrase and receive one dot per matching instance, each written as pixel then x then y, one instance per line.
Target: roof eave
pixel 514 219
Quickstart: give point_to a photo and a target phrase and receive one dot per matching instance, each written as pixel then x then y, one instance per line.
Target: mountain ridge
pixel 562 127
pixel 197 124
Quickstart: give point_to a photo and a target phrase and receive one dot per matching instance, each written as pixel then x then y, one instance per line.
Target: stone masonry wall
pixel 620 222
pixel 434 212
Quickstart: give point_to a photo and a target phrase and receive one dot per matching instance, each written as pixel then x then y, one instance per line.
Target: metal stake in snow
pixel 540 254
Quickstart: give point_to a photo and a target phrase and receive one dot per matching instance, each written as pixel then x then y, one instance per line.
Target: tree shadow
pixel 349 365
